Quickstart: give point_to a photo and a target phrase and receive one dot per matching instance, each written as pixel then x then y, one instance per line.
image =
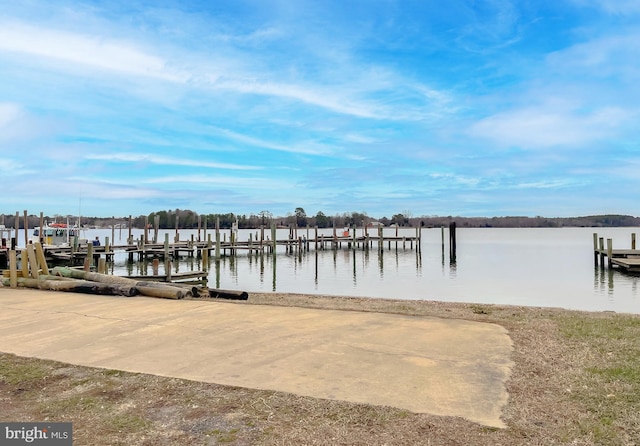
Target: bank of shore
pixel 575 380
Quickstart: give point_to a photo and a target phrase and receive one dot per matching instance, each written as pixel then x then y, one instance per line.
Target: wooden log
pixel 42 260
pixel 188 290
pixel 78 286
pixel 33 261
pixel 24 262
pixel 228 294
pixel 95 277
pixel 164 292
pixel 102 265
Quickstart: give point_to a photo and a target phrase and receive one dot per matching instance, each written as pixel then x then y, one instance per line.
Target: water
pixel 551 267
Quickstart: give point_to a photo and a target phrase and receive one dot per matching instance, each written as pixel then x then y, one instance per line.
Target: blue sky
pixel 470 108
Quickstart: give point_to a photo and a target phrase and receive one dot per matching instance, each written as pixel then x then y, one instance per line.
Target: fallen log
pixel 163 292
pixel 228 294
pixel 186 288
pixel 94 277
pixel 77 286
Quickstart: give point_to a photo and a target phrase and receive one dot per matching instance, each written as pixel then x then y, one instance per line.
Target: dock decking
pixel 626 259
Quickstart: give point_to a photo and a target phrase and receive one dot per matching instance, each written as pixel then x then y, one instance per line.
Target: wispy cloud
pixel 274 105
pixel 165 160
pixel 97 52
pixel 547 127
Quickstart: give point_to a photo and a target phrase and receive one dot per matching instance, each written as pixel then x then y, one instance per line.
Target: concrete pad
pixel 422 364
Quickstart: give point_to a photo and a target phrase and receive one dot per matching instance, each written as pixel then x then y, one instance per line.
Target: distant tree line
pixel 188 219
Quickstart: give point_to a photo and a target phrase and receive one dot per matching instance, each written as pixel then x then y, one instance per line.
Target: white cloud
pixel 613 6
pixel 165 160
pixel 9 113
pixel 542 127
pixel 94 51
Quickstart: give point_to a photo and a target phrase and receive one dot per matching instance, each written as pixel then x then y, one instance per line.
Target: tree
pixel 301 217
pixel 322 221
pixel 265 217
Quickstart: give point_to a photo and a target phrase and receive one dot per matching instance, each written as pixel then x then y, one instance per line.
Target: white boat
pixel 56 234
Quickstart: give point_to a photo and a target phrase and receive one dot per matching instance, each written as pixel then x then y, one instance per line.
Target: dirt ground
pixel 576 380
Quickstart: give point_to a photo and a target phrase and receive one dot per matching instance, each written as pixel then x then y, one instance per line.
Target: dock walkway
pixel 626 259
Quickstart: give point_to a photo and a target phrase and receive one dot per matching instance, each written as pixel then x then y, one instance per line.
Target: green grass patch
pixel 610 384
pixel 14 374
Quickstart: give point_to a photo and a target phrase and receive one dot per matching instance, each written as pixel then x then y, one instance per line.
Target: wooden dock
pixel 626 259
pixel 87 254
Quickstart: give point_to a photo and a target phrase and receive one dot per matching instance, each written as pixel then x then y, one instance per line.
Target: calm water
pixel 533 267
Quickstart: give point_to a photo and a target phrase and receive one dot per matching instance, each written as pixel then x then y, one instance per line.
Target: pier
pixel 90 255
pixel 627 259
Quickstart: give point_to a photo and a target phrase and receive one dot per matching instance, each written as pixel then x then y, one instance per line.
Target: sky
pixel 462 108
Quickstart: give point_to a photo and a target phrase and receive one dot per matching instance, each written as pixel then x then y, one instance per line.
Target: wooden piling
pixel 41 232
pixel 13 269
pixel 24 262
pixel 102 265
pixel 26 229
pixel 17 226
pixel 610 252
pixel 130 236
pixel 217 238
pixel 42 261
pixel 33 261
pixel 452 241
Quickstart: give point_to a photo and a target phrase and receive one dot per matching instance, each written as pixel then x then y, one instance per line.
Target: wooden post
pixel 602 253
pixel 273 237
pixel 355 229
pixel 155 265
pixel 452 241
pixel 146 230
pixel 177 239
pixel 609 251
pixel 17 226
pixel 199 226
pixel 107 245
pixel 130 237
pixel 33 261
pixel 205 228
pixel 633 240
pixel 41 258
pixel 205 260
pixel 113 231
pixel 41 235
pixel 13 269
pixel 90 252
pixel 24 262
pixel 102 265
pixel 156 227
pixel 166 246
pixel 595 248
pixel 168 270
pixel 217 238
pixel 26 229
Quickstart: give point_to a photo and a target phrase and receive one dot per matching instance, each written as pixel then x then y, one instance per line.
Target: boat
pixel 56 234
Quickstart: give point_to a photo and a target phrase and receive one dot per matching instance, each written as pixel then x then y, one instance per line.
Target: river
pixel 542 267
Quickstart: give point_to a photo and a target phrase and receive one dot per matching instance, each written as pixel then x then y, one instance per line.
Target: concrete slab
pixel 422 364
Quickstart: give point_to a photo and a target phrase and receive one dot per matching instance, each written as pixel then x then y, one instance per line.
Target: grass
pixel 576 381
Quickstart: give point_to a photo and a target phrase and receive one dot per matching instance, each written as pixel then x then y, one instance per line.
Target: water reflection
pixel 502 266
